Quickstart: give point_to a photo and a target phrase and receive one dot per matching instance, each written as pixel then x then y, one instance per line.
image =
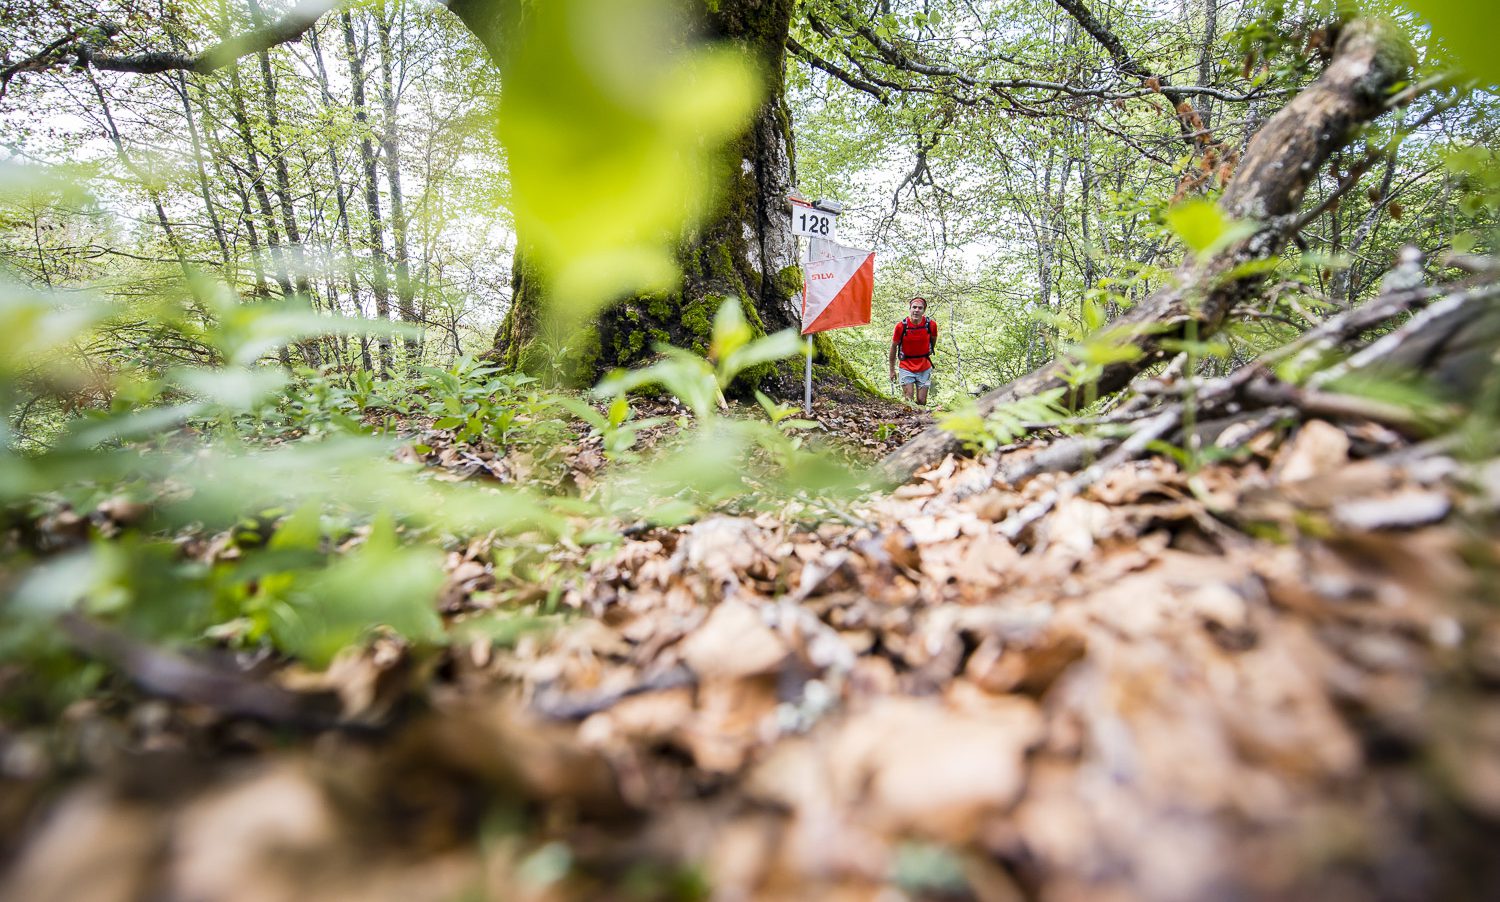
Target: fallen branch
pixel 1065 456
pixel 1415 344
pixel 1152 430
pixel 1268 188
pixel 578 706
pixel 1332 405
pixel 170 675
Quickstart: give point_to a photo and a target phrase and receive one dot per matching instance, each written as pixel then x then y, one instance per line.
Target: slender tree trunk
pixel 180 86
pixel 258 187
pixel 341 197
pixel 256 173
pixel 391 150
pixel 378 279
pixel 293 249
pixel 141 175
pixel 1044 245
pixel 1345 284
pixel 218 157
pixel 294 252
pixel 257 256
pixel 1206 59
pixel 1086 192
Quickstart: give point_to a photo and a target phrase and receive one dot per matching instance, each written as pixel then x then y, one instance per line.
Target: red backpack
pixel 927 345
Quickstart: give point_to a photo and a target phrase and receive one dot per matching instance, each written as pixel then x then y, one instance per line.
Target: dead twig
pixel 577 706
pixel 1332 405
pixel 174 676
pixel 1153 430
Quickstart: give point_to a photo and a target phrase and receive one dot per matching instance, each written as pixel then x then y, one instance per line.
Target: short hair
pixel 918 298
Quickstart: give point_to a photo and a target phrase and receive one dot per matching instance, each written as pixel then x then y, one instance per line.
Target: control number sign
pixel 812 222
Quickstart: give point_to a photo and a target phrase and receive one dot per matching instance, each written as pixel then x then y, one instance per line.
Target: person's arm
pixel 894 347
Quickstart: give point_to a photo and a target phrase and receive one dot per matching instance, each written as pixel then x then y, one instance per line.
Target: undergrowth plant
pixel 983 433
pixel 240 504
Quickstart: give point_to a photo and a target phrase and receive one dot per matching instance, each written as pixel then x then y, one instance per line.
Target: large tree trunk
pixel 1282 159
pixel 745 250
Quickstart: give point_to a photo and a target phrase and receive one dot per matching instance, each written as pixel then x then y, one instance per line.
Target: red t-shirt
pixel 917 342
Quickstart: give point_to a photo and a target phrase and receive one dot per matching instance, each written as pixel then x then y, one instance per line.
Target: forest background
pixel 359 168
pixel 281 390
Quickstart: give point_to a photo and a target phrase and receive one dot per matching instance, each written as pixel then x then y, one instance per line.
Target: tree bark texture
pixel 1281 161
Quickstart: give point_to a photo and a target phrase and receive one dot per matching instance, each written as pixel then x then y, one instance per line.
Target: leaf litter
pixel 1272 677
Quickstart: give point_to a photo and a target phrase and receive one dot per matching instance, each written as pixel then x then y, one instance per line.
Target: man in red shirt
pixel 912 344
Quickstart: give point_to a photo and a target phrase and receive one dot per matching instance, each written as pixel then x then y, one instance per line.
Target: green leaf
pixel 612 120
pixel 779 346
pixel 303 530
pixel 35 324
pixel 1204 228
pixel 1094 316
pixel 619 411
pixel 1469 28
pixel 235 388
pixel 773 410
pixel 685 375
pixel 93 431
pixel 248 332
pixel 379 584
pixel 586 412
pixel 730 330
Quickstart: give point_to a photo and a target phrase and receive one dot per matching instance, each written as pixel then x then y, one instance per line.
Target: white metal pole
pixel 807 394
pixel 806 249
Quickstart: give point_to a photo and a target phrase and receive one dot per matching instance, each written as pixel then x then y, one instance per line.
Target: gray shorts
pixel 907 377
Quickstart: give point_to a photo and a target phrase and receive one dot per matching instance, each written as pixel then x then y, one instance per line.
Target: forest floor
pixel 1274 676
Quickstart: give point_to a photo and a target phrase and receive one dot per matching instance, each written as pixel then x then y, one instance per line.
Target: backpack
pixel 926 327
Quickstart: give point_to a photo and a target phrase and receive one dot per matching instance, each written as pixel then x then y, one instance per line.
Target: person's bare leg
pixel 922 395
pixel 906 390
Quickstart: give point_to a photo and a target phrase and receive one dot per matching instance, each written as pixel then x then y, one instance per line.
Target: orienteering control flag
pixel 838 285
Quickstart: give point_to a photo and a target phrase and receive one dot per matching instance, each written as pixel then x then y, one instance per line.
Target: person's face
pixel 918 308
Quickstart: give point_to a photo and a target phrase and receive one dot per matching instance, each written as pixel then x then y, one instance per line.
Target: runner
pixel 913 343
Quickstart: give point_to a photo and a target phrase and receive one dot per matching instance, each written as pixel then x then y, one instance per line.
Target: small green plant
pixel 617 427
pixel 783 416
pixel 725 460
pixel 477 403
pixel 1007 422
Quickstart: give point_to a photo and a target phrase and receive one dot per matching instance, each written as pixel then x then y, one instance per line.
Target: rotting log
pixel 1281 161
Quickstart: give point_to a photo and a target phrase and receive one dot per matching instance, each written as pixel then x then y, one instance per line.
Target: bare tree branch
pixel 72 47
pixel 817 62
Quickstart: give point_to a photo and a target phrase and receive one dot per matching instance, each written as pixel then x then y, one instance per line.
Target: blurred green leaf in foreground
pixel 613 123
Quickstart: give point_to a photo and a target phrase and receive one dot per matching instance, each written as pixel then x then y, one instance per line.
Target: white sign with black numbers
pixel 813 223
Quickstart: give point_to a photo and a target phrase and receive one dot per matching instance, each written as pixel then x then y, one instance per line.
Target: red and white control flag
pixel 838 286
